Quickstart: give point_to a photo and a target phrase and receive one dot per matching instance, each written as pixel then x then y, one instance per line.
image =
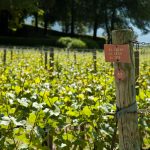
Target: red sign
pixel 117 53
pixel 120 74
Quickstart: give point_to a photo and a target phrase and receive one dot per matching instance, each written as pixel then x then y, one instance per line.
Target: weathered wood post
pixel 125 96
pixel 137 71
pixel 11 54
pixel 68 51
pixel 94 60
pixel 52 59
pixel 49 141
pixel 41 55
pixel 75 57
pixel 4 56
pixel 45 50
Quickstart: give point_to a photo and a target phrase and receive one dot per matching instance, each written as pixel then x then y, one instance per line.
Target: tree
pixel 48 7
pixel 12 13
pixel 92 15
pixel 65 18
pixel 72 16
pixel 123 13
pixel 4 16
pixel 139 13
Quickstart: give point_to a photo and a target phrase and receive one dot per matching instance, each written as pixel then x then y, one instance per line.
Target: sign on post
pixel 117 53
pixel 119 74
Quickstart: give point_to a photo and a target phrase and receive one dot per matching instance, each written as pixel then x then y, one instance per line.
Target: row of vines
pixel 63 108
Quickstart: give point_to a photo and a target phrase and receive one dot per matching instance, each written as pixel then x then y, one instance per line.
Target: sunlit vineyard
pixel 67 107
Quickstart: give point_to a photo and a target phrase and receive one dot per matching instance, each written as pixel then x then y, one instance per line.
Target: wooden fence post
pixel 75 57
pixel 45 50
pixel 4 57
pixel 49 141
pixel 68 51
pixel 11 54
pixel 41 55
pixel 125 97
pixel 137 71
pixel 94 60
pixel 52 59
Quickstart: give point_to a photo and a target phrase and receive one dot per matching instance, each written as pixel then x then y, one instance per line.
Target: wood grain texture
pixel 125 96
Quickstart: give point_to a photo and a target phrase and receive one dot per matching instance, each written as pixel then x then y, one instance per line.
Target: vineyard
pixel 67 103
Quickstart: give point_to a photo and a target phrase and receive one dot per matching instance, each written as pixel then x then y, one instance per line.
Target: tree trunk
pixel 95 29
pixel 107 28
pixel 66 26
pixel 95 19
pixel 45 23
pixel 126 97
pixel 4 18
pixel 36 21
pixel 113 19
pixel 72 17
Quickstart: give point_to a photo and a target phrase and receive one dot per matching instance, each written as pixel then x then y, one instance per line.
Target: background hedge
pixel 55 41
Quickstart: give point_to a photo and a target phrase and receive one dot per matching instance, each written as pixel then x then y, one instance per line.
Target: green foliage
pixel 76 17
pixel 144 103
pixel 82 42
pixel 69 104
pixel 91 43
pixel 16 10
pixel 64 41
pixel 76 43
pixel 55 41
pixel 71 42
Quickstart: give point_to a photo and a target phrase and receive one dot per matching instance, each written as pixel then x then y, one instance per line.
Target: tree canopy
pixel 76 16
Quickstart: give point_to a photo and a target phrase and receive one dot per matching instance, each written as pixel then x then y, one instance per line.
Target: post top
pixel 122 30
pixel 122 36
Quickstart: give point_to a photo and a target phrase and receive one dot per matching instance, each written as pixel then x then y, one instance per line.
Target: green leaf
pixel 32 118
pixel 86 111
pixel 17 89
pixel 22 138
pixel 81 96
pixel 37 80
pixel 53 100
pixel 72 113
pixel 68 136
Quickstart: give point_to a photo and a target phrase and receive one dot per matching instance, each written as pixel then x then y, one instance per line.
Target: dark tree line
pixel 76 16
